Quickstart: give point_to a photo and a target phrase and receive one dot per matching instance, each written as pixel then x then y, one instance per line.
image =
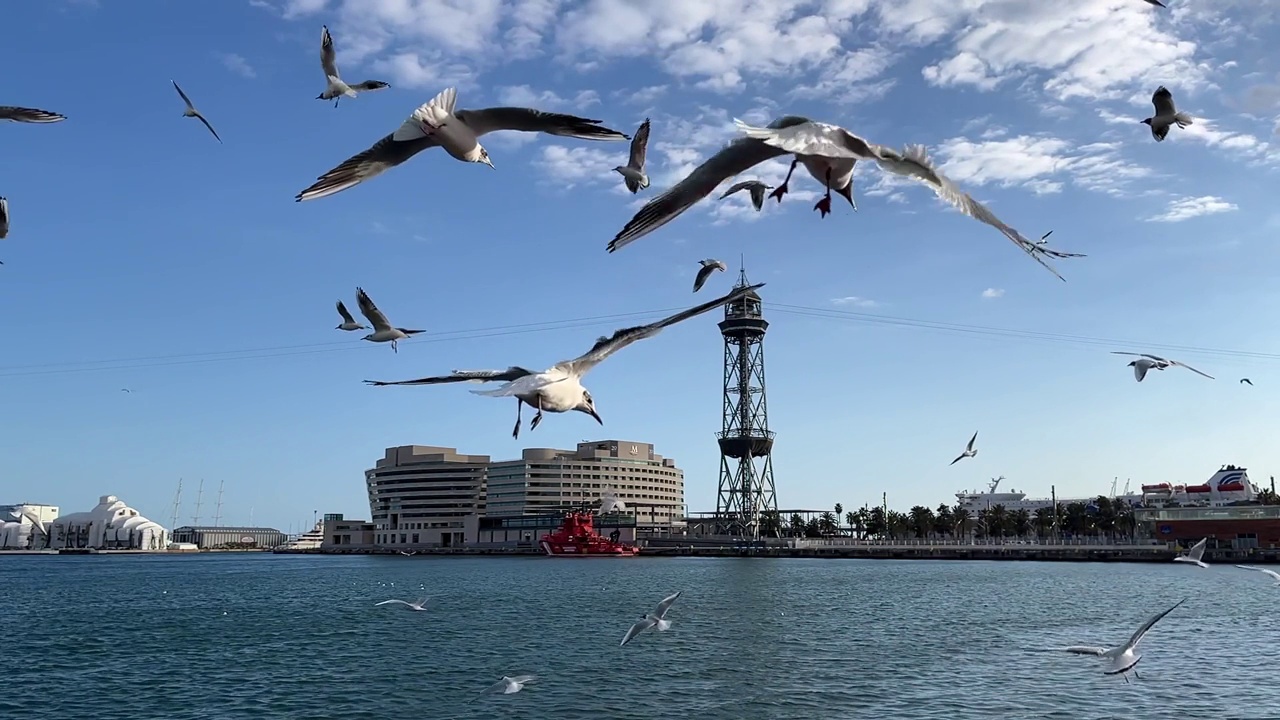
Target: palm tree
pixel 1043 521
pixel 797 525
pixel 1105 517
pixel 861 521
pixel 921 519
pixel 839 514
pixel 851 518
pixel 827 524
pixel 1021 522
pixel 876 525
pixel 962 520
pixel 813 528
pixel 899 524
pixel 770 524
pixel 944 523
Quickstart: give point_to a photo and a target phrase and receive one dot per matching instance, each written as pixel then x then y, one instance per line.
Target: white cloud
pixel 238 65
pixel 1191 207
pixel 855 301
pixel 570 166
pixel 526 96
pixel 993 293
pixel 1041 164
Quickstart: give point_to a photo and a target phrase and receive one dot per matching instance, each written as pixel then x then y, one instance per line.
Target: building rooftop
pixel 226 528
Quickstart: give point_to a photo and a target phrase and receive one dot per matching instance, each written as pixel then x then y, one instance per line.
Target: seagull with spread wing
pixel 1272 573
pixel 508 685
pixel 419 605
pixel 737 157
pixel 709 266
pixel 1125 657
pixel 437 124
pixel 1166 114
pixel 382 329
pixel 348 322
pixel 191 110
pixel 1195 554
pixel 1147 362
pixel 335 89
pixel 812 138
pixel 4 218
pixel 969 450
pixel 1243 381
pixel 558 389
pixel 10 113
pixel 633 174
pixel 656 619
pixel 755 188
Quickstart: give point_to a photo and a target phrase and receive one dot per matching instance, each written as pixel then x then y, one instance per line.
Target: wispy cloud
pixel 1192 207
pixel 993 293
pixel 855 301
pixel 238 65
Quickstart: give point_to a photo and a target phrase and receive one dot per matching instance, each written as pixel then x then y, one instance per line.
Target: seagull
pixel 822 139
pixel 508 685
pixel 29 115
pixel 4 218
pixel 417 134
pixel 126 390
pixel 382 330
pixel 1194 554
pixel 969 450
pixel 408 553
pixel 657 619
pixel 737 157
pixel 191 110
pixel 610 502
pixel 1274 575
pixel 1157 3
pixel 559 388
pixel 336 89
pixel 1042 247
pixel 348 322
pixel 1147 362
pixel 709 266
pixel 1166 114
pixel 633 172
pixel 419 605
pixel 755 187
pixel 1125 657
pixel 1243 380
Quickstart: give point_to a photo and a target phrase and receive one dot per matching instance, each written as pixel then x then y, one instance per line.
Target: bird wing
pixel 391 602
pixel 607 346
pixel 704 272
pixel 953 462
pixel 1197 551
pixel 1086 650
pixel 1163 100
pixel 487 120
pixel 914 163
pixel 342 310
pixel 522 679
pixel 328 60
pixel 1146 626
pixel 812 138
pixel 1184 365
pixel 500 686
pixel 972 440
pixel 1122 352
pixel 29 115
pixel 639 146
pixel 381 157
pixel 4 218
pixel 1243 380
pixel 371 311
pixel 185 99
pixel 508 375
pixel 665 605
pixel 740 186
pixel 206 124
pixel 1140 371
pixel 736 157
pixel 640 626
pixel 1272 573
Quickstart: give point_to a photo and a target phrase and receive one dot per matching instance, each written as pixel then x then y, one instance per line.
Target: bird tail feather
pixel 1182 119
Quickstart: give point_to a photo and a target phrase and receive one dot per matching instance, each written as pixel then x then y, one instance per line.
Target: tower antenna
pixel 177 503
pixel 195 519
pixel 217 513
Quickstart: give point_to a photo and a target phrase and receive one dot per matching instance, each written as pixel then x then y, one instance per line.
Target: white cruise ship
pixel 1013 500
pixel 1228 486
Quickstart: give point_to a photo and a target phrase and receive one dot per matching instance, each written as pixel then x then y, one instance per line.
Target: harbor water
pixel 261 637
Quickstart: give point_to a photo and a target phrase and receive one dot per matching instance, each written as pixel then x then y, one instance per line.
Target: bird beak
pixel 489 162
pixel 595 415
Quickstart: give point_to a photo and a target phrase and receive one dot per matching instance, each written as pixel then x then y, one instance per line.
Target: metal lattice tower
pixel 746 469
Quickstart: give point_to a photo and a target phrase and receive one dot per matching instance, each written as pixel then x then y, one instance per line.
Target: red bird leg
pixel 824 205
pixel 781 190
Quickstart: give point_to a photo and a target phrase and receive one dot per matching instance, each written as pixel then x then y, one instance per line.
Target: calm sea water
pixel 265 637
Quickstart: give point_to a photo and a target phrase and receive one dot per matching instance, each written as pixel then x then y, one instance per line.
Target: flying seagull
pixel 4 218
pixel 1157 3
pixel 508 685
pixel 1042 247
pixel 29 115
pixel 457 131
pixel 656 619
pixel 348 322
pixel 1274 575
pixel 1125 657
pixel 969 450
pixel 335 89
pixel 382 330
pixel 1166 114
pixel 633 174
pixel 408 553
pixel 418 605
pixel 709 266
pixel 1243 380
pixel 737 157
pixel 126 390
pixel 821 139
pixel 1194 554
pixel 610 502
pixel 191 110
pixel 755 187
pixel 559 388
pixel 1147 362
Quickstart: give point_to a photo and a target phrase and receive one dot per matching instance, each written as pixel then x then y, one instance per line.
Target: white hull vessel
pixel 1013 500
pixel 1228 486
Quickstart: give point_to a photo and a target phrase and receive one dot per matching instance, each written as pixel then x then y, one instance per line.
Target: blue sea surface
pixel 261 637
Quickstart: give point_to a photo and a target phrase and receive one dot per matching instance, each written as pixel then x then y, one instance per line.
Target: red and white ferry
pixel 576 537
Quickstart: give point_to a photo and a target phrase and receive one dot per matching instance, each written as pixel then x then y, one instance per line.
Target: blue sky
pixel 145 255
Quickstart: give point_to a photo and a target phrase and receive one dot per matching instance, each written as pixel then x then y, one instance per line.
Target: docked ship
pixel 1013 500
pixel 1229 486
pixel 576 537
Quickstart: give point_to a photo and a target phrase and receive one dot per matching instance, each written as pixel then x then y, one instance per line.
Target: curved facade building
pixel 111 525
pixel 424 495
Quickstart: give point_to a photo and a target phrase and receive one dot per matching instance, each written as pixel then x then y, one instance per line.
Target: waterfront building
pixel 24 526
pixel 338 533
pixel 425 495
pixel 111 525
pixel 208 537
pixel 1237 527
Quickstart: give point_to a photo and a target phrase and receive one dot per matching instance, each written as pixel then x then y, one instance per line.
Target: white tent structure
pixel 23 531
pixel 111 525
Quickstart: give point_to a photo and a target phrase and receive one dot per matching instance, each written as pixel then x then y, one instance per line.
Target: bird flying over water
pixel 1147 362
pixel 709 266
pixel 28 115
pixel 633 174
pixel 191 110
pixel 437 124
pixel 656 619
pixel 335 89
pixel 755 187
pixel 1274 575
pixel 559 389
pixel 348 322
pixel 969 450
pixel 1194 554
pixel 419 605
pixel 382 330
pixel 1166 114
pixel 508 685
pixel 1125 657
pixel 1245 381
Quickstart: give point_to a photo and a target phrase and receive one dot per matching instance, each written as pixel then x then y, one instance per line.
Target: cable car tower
pixel 746 443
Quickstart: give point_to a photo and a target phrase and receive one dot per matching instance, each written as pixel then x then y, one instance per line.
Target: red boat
pixel 576 537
